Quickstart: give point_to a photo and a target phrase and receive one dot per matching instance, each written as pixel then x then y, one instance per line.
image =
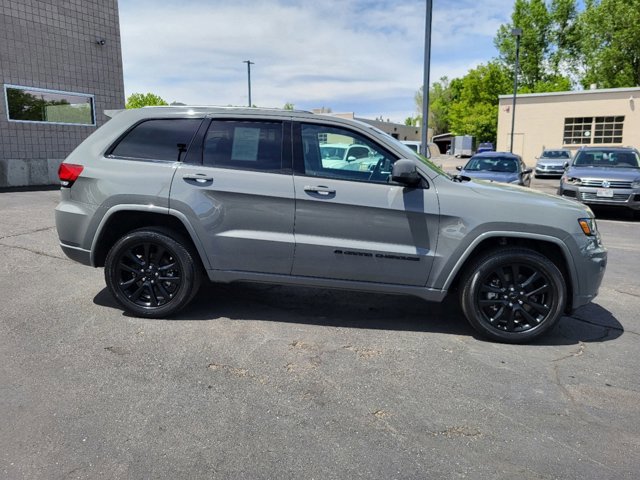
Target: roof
pixel 574 92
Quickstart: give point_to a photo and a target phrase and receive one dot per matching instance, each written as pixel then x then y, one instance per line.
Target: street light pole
pixel 249 63
pixel 516 32
pixel 425 82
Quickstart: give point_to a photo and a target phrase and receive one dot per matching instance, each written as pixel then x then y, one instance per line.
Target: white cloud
pixel 365 53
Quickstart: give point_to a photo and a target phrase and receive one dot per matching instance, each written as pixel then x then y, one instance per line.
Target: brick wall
pixel 51 44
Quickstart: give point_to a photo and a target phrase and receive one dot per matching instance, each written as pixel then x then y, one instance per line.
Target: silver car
pixel 551 163
pixel 165 197
pixel 604 176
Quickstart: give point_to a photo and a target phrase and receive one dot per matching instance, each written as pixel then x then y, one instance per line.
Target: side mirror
pixel 405 172
pixel 351 158
pixel 527 171
pixel 459 168
pixel 566 165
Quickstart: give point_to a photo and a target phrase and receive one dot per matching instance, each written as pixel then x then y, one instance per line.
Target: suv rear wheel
pixel 513 295
pixel 152 272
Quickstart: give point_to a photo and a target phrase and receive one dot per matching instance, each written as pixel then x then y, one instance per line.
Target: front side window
pixel 333 152
pixel 244 145
pixel 160 139
pixel 25 104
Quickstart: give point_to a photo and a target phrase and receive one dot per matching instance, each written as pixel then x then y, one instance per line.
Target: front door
pixel 351 224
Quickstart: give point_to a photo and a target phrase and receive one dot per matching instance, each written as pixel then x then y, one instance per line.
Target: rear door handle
pixel 320 190
pixel 198 177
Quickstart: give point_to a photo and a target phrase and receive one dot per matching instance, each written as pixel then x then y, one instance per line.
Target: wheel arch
pixel 551 247
pixel 122 219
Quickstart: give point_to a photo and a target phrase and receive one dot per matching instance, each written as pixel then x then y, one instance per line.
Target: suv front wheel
pixel 152 272
pixel 513 295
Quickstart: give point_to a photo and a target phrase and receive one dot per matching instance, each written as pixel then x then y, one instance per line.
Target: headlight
pixel 588 226
pixel 571 180
pixel 636 183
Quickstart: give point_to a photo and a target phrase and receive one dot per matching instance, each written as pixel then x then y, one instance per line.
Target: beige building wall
pixel 540 119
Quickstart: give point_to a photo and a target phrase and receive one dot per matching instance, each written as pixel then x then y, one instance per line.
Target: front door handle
pixel 198 177
pixel 320 190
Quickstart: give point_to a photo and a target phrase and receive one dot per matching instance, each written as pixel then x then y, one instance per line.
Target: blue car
pixel 501 167
pixel 485 147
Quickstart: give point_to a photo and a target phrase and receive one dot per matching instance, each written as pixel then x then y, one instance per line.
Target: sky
pixel 362 56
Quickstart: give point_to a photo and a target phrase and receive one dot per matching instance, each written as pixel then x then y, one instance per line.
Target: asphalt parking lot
pixel 264 382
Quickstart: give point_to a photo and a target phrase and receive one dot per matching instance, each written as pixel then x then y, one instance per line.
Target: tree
pixel 610 43
pixel 440 98
pixel 288 106
pixel 139 100
pixel 474 109
pixel 548 43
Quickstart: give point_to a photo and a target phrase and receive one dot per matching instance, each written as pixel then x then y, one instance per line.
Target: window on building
pixel 577 130
pixel 162 139
pixel 608 129
pixel 588 130
pixel 26 104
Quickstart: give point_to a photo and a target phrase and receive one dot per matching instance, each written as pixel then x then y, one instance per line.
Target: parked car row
pixel 594 176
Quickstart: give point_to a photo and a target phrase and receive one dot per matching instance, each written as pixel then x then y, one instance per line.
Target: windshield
pixel 559 154
pixel 607 158
pixel 492 164
pixel 334 153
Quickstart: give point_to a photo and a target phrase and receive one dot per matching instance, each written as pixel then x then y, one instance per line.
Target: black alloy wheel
pixel 513 295
pixel 151 274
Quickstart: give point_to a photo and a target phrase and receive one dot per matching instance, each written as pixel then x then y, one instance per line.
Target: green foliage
pixel 548 43
pixel 609 32
pixel 288 106
pixel 139 100
pixel 440 98
pixel 474 109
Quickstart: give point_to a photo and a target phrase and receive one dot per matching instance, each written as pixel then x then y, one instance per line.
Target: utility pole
pixel 516 32
pixel 425 82
pixel 249 63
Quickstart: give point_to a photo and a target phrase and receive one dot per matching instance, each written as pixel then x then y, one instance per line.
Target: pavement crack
pixel 43 229
pixel 37 252
pixel 627 293
pixel 577 353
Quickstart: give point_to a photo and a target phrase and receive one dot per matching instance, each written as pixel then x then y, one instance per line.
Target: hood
pixel 503 177
pixel 609 173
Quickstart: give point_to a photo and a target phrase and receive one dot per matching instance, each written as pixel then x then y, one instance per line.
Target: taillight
pixel 69 173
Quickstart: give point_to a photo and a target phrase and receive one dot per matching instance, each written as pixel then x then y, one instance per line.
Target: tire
pixel 513 295
pixel 152 272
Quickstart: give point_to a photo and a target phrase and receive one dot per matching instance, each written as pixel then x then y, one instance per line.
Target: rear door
pixel 351 223
pixel 236 190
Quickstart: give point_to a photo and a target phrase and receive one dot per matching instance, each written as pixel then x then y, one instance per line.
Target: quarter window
pixel 161 139
pixel 339 153
pixel 244 145
pixel 26 104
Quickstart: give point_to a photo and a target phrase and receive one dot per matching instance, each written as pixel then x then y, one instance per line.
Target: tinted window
pixel 244 145
pixel 492 164
pixel 165 139
pixel 364 160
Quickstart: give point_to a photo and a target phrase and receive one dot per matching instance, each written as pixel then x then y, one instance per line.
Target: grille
pixel 612 183
pixel 617 197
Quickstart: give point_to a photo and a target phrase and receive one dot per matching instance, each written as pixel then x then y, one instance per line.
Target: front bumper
pixel 549 170
pixel 621 197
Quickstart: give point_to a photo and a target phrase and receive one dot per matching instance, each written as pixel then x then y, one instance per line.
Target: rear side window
pixel 250 145
pixel 162 139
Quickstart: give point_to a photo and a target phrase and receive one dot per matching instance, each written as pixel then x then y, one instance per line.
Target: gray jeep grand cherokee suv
pixel 165 196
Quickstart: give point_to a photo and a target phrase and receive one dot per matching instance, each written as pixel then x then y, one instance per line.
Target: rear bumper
pixel 77 254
